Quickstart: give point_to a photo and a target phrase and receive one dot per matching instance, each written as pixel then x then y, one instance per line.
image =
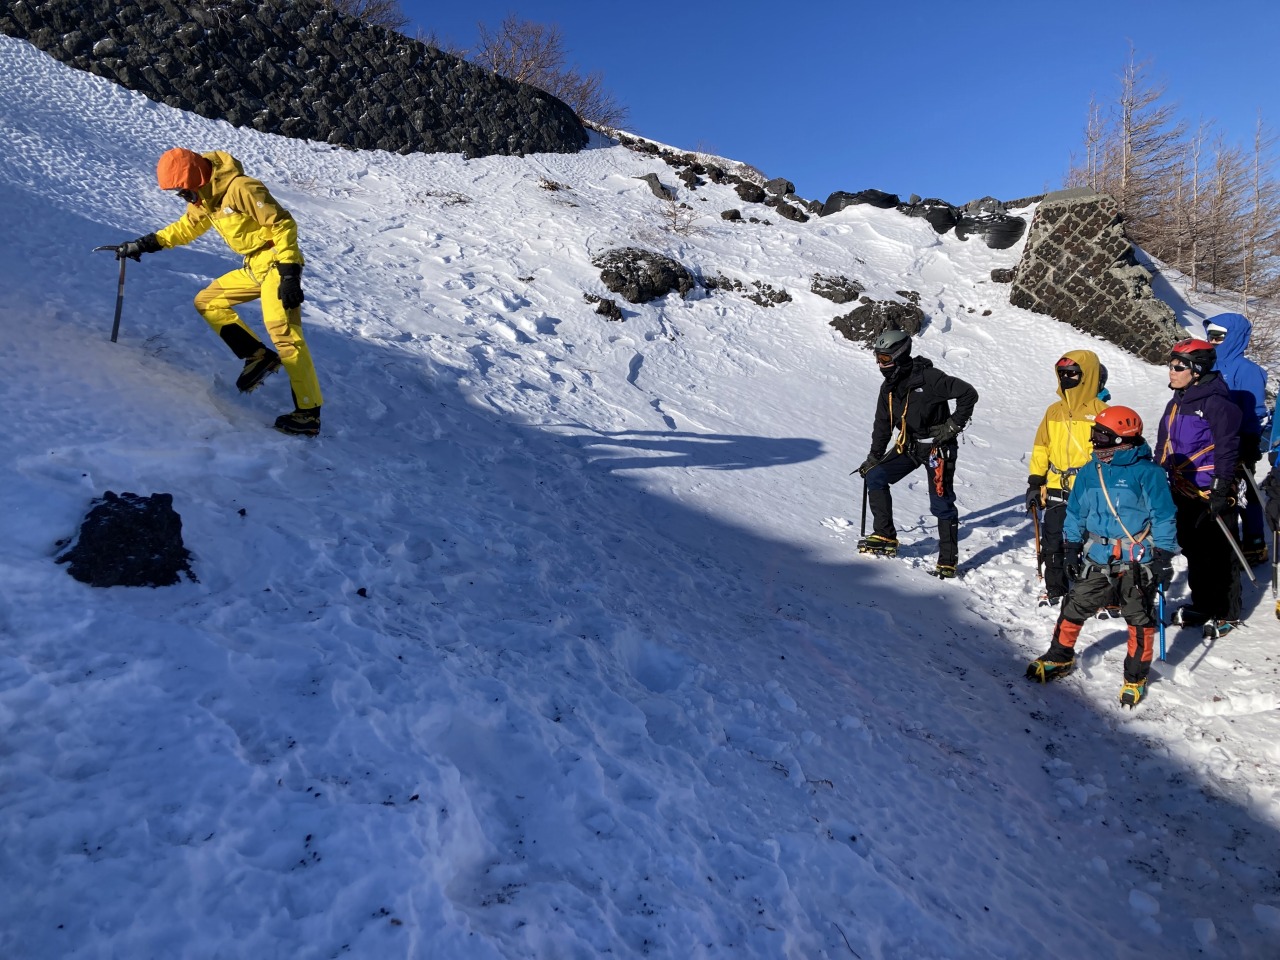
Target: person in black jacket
pixel 915 401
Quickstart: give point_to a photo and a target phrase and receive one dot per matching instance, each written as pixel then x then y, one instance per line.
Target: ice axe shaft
pixel 115 324
pixel 1236 547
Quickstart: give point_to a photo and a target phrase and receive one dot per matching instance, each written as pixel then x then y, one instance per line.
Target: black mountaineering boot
pixel 256 369
pixel 303 422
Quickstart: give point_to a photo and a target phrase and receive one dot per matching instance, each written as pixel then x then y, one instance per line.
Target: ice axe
pixel 115 324
pixel 1235 547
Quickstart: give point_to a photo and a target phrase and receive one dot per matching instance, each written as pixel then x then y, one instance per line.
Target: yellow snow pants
pixel 258 279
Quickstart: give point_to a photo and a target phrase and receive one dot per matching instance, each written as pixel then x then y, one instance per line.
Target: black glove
pixel 1273 508
pixel 1162 568
pixel 1271 485
pixel 1220 499
pixel 1073 560
pixel 1250 450
pixel 946 433
pixel 1035 489
pixel 134 249
pixel 290 285
pixel 868 465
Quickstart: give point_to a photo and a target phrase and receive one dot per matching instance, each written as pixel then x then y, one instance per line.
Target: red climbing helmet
pixel 1115 426
pixel 1199 355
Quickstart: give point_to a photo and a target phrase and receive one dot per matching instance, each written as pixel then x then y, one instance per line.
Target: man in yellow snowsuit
pixel 254 225
pixel 1061 447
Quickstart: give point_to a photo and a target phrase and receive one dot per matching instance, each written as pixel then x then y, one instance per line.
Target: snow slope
pixel 555 643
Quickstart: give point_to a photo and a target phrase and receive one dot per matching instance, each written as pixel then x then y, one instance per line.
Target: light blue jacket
pixel 1139 491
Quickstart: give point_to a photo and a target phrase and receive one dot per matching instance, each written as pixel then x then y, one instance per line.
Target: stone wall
pixel 300 69
pixel 1079 267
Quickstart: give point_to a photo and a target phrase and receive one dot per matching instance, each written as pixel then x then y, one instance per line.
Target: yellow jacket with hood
pixel 241 209
pixel 1062 444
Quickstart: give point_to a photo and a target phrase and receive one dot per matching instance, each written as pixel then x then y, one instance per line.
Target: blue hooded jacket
pixel 1139 491
pixel 1245 379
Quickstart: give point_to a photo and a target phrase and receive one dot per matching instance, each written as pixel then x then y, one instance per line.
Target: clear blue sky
pixel 945 99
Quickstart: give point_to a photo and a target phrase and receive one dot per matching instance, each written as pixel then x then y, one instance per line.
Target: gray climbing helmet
pixel 892 346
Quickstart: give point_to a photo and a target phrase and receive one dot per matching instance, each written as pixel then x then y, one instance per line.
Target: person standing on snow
pixel 914 401
pixel 1060 449
pixel 1230 334
pixel 1198 447
pixel 254 225
pixel 1121 537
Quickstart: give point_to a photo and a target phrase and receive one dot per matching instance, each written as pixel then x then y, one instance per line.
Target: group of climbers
pixel 1115 510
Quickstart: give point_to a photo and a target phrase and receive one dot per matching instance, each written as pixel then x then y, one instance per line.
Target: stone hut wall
pixel 1079 267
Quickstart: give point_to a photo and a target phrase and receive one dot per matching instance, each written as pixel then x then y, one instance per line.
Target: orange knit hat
pixel 181 169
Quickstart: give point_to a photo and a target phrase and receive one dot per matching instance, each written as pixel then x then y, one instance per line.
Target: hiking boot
pixel 1043 670
pixel 256 369
pixel 1213 629
pixel 1110 612
pixel 878 545
pixel 1188 616
pixel 1131 694
pixel 1256 554
pixel 943 571
pixel 303 422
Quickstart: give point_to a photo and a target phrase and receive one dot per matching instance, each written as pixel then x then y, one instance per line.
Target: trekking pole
pixel 115 324
pixel 1035 522
pixel 863 532
pixel 1236 547
pixel 1160 602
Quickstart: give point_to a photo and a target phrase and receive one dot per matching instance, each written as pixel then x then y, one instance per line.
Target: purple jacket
pixel 1199 436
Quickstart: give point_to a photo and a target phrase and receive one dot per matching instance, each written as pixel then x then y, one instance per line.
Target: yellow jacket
pixel 241 209
pixel 1062 445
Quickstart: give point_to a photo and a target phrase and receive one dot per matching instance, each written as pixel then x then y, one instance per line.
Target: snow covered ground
pixel 555 643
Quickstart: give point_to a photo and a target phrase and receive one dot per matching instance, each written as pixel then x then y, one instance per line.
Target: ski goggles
pixel 1101 436
pixel 886 359
pixel 190 196
pixel 1215 337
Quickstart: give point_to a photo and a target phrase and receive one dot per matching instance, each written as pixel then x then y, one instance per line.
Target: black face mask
pixel 1069 377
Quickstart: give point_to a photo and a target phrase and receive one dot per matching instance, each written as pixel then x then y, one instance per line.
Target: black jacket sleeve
pixel 882 428
pixel 953 388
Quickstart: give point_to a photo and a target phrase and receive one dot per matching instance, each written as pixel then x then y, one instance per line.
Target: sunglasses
pixel 1069 373
pixel 190 196
pixel 1217 337
pixel 1179 366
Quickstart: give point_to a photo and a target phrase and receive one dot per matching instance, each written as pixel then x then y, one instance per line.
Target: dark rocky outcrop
pixel 129 541
pixel 1000 231
pixel 837 289
pixel 940 215
pixel 1079 267
pixel 875 198
pixel 867 321
pixel 640 276
pixel 659 190
pixel 300 69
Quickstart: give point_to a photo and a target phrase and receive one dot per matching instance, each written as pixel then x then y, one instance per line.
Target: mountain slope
pixel 554 644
